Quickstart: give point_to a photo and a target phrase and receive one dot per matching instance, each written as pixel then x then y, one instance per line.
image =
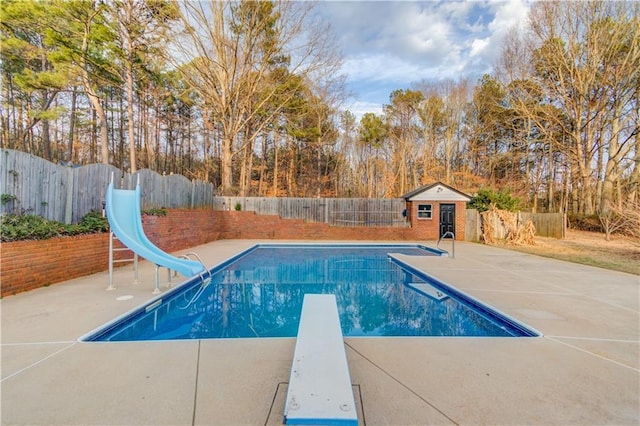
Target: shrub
pixel 7 198
pixel 583 222
pixel 161 211
pixel 502 200
pixel 14 227
pixel 93 222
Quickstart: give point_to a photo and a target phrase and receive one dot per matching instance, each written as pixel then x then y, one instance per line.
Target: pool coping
pixel 490 313
pixel 583 370
pixel 478 304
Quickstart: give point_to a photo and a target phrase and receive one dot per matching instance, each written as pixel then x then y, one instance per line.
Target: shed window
pixel 424 211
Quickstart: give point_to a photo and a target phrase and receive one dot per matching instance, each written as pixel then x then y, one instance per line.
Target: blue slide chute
pixel 123 212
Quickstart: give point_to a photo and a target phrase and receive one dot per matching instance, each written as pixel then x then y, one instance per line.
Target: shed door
pixel 447 219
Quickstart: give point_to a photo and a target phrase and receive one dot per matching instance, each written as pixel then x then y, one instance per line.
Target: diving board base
pixel 320 391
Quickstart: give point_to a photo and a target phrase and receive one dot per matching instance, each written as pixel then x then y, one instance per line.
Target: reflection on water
pixel 261 296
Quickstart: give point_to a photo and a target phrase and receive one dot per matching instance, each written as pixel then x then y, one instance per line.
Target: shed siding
pixel 429 229
pixel 439 193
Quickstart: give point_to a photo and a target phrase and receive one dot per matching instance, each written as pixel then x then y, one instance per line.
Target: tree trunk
pixel 101 117
pixel 208 134
pixel 119 159
pixel 249 169
pixel 551 179
pixel 227 164
pixel 275 163
pixel 247 161
pixel 72 123
pixel 263 165
pixel 130 100
pixel 634 186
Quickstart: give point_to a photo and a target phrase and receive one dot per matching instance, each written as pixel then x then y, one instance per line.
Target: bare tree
pixel 431 113
pixel 402 117
pixel 142 27
pixel 585 57
pixel 242 57
pixel 458 95
pixel 624 218
pixel 372 136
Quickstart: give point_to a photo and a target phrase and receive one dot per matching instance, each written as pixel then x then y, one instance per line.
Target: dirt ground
pixel 590 248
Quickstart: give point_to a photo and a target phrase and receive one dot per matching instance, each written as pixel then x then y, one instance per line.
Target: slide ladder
pixel 124 215
pixel 112 260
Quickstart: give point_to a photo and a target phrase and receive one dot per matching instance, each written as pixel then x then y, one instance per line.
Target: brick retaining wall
pixel 26 265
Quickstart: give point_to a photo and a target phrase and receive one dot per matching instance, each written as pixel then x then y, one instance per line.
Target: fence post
pixel 193 193
pixel 164 190
pixel 68 207
pixel 326 211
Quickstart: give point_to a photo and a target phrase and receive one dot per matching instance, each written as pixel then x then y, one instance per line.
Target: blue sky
pixel 388 45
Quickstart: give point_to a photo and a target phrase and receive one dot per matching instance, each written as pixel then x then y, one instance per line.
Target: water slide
pixel 123 212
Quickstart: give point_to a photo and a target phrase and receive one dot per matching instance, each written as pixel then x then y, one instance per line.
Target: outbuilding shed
pixel 436 209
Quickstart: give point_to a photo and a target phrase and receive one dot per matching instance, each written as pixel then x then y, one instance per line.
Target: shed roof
pixel 437 191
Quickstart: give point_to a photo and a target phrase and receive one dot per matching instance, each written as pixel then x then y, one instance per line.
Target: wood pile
pixel 517 233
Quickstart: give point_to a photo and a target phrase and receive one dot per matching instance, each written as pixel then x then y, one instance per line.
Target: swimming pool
pixel 259 293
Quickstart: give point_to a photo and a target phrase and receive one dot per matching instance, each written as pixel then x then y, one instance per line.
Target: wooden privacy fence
pixel 30 184
pixel 546 224
pixel 472 226
pixel 33 185
pixel 370 212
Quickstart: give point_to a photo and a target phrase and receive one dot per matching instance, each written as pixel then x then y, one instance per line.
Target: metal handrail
pixel 193 255
pixel 453 242
pixel 205 281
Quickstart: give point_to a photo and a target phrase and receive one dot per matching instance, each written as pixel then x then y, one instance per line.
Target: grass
pixel 589 248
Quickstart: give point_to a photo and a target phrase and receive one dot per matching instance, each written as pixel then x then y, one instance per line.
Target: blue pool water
pixel 259 293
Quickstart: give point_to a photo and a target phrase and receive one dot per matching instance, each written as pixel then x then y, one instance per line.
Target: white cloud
pixel 388 70
pixel 508 14
pixel 390 44
pixel 359 108
pixel 380 67
pixel 478 46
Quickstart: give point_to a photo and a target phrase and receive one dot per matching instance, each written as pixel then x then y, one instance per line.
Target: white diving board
pixel 320 391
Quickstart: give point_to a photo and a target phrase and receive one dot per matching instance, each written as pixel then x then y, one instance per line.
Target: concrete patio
pixel 585 370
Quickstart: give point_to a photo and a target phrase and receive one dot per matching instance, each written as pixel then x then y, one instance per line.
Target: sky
pixel 388 45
